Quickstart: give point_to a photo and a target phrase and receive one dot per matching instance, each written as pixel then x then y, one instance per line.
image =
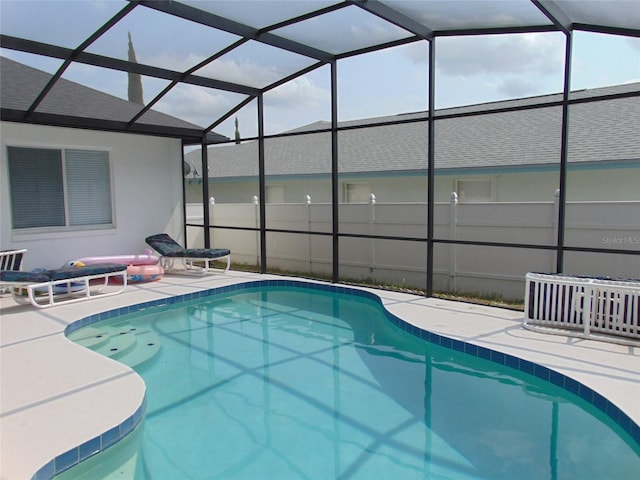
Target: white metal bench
pixel 596 308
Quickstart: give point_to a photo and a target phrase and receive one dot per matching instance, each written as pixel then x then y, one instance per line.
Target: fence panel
pixel 531 223
pixel 603 224
pixel 464 268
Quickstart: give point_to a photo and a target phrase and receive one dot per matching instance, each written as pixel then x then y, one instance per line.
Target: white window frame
pixel 466 199
pixel 359 186
pixel 67 227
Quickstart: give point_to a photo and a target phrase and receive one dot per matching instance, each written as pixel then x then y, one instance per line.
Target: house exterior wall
pixel 146 193
pixel 593 183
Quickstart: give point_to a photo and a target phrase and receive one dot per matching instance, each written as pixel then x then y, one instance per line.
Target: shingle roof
pixel 20 85
pixel 599 131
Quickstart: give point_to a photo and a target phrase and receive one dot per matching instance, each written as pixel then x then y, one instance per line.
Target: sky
pixel 469 70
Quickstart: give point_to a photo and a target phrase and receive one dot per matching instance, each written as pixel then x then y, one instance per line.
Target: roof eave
pixel 187 135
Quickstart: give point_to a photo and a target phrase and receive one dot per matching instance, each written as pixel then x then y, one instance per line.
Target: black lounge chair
pixel 47 288
pixel 170 251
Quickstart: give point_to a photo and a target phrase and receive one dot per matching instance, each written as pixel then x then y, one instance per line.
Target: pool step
pixel 122 342
pixel 90 337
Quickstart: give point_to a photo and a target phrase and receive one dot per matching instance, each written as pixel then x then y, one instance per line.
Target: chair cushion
pixel 163 244
pixel 23 277
pixel 60 273
pixel 199 253
pixel 168 247
pixel 95 269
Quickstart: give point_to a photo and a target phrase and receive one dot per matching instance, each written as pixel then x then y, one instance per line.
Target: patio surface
pixel 56 395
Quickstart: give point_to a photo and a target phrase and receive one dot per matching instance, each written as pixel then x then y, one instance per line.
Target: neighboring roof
pixel 599 131
pixel 295 33
pixel 68 101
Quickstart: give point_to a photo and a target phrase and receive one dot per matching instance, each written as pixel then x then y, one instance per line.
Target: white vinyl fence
pixel 457 268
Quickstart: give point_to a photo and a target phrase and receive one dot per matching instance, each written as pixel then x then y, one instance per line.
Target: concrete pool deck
pixel 56 395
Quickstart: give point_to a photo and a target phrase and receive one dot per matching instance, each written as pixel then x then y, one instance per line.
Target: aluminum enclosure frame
pixel 553 10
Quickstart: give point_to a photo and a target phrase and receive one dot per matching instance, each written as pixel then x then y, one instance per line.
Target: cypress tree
pixel 135 82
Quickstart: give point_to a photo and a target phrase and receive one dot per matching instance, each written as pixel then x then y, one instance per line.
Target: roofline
pixel 472 170
pixel 444 113
pixel 189 136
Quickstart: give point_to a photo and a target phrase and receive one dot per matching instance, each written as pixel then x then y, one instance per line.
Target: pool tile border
pixel 91 447
pixel 526 366
pixel 102 442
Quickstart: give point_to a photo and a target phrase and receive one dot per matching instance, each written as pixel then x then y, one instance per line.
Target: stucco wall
pixel 593 183
pixel 146 190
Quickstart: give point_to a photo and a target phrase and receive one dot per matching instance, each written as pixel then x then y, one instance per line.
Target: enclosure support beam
pixel 262 186
pixel 431 167
pixel 562 200
pixel 184 198
pixel 334 169
pixel 205 192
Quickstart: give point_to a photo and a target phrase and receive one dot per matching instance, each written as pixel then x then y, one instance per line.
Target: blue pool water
pixel 297 383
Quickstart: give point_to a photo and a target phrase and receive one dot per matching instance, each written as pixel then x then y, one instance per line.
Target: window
pixel 59 188
pixel 357 192
pixel 475 190
pixel 275 193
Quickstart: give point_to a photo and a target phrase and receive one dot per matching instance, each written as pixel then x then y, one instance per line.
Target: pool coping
pixel 397 306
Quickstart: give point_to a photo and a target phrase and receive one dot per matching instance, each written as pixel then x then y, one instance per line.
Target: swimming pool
pixel 291 382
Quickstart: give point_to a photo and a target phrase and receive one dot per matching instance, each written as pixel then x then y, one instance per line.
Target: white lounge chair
pixel 11 259
pixel 64 285
pixel 189 258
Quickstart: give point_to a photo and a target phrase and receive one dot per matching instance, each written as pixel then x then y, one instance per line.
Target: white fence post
pixel 309 261
pixel 372 228
pixel 453 254
pixel 210 232
pixel 590 308
pixel 256 214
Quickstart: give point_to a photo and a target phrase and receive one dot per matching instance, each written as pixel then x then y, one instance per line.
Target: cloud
pixel 501 54
pixel 541 53
pixel 301 92
pixel 510 66
pixel 634 43
pixel 203 106
pixel 171 62
pixel 371 33
pixel 514 87
pixel 298 102
pixel 242 71
pixel 195 104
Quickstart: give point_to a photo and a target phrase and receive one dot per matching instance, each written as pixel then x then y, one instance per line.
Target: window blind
pixel 35 180
pixel 59 188
pixel 88 187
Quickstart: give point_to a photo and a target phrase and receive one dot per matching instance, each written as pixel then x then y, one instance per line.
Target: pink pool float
pixel 146 258
pixel 142 267
pixel 144 273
